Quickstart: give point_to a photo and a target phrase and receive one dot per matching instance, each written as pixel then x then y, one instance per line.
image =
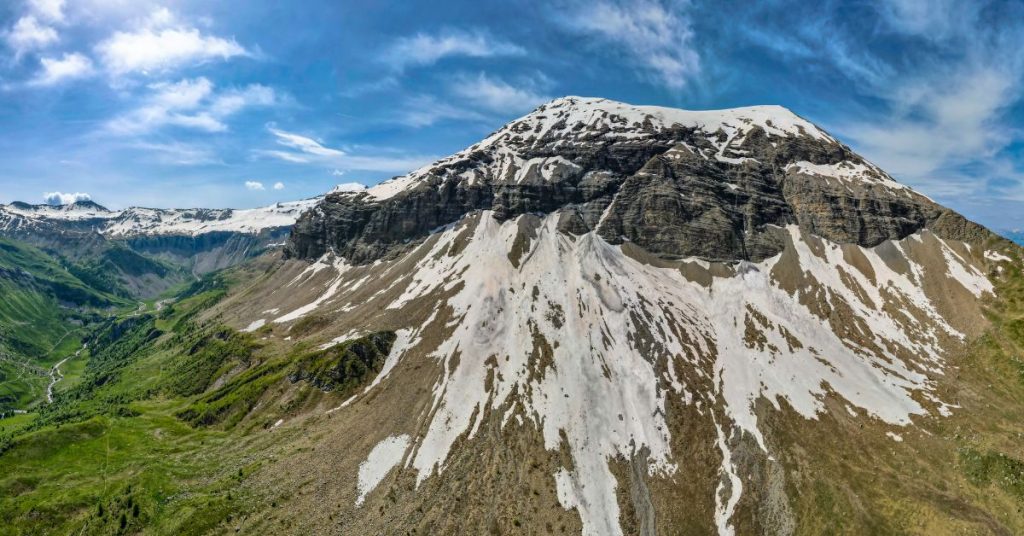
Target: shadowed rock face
pixel 707 184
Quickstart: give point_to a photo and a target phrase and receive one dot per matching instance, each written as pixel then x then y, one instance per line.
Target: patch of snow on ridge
pixel 392 187
pixel 256 324
pixel 996 256
pixel 382 459
pixel 340 267
pixel 965 274
pixel 602 393
pixel 849 172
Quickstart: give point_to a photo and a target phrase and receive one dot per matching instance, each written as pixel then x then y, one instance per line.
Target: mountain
pixel 601 319
pixel 149 250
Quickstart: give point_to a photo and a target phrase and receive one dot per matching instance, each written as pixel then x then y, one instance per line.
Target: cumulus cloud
pixel 279 186
pixel 62 198
pixel 54 71
pixel 51 10
pixel 652 33
pixel 160 44
pixel 254 185
pixel 496 94
pixel 29 34
pixel 190 103
pixel 426 49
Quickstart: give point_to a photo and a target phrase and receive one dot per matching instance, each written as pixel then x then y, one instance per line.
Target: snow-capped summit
pixel 616 309
pixel 730 174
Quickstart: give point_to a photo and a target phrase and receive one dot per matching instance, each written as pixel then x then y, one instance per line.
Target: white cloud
pixel 279 186
pixel 425 49
pixel 337 172
pixel 70 66
pixel 177 153
pixel 424 110
pixel 51 10
pixel 62 198
pixel 304 144
pixel 190 103
pixel 944 126
pixel 497 95
pixel 936 19
pixel 934 127
pixel 654 34
pixel 254 185
pixel 161 45
pixel 306 150
pixel 29 34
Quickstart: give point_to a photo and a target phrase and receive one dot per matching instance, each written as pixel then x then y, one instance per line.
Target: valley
pixel 600 319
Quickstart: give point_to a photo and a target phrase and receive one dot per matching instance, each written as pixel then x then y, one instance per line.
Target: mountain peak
pixel 714 184
pixel 594 111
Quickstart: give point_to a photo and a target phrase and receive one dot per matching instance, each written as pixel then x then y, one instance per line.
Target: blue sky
pixel 246 103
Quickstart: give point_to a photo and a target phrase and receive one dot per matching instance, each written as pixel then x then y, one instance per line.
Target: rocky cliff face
pixel 715 185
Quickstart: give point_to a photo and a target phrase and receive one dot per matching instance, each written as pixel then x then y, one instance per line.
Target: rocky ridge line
pixel 716 185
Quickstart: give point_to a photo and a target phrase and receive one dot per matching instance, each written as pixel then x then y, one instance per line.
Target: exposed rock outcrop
pixel 713 184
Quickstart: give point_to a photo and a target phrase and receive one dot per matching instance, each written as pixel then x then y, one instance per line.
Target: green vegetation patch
pixel 987 468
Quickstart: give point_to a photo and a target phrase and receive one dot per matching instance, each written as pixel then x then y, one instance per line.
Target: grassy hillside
pixel 44 314
pixel 148 437
pixel 169 425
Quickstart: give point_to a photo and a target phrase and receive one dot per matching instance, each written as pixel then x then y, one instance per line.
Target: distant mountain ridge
pixel 135 221
pixel 185 243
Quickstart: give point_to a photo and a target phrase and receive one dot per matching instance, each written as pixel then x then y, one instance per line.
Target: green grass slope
pixel 160 431
pixel 44 312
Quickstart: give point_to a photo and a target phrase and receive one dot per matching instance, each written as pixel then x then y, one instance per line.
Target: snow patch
pixel 382 459
pixel 256 324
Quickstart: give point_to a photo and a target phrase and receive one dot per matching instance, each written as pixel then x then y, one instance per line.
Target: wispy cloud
pixel 654 34
pixel 425 110
pixel 279 185
pixel 495 94
pixel 940 76
pixel 161 43
pixel 305 145
pixel 301 149
pixel 948 114
pixel 425 49
pixel 192 104
pixel 255 186
pixel 178 153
